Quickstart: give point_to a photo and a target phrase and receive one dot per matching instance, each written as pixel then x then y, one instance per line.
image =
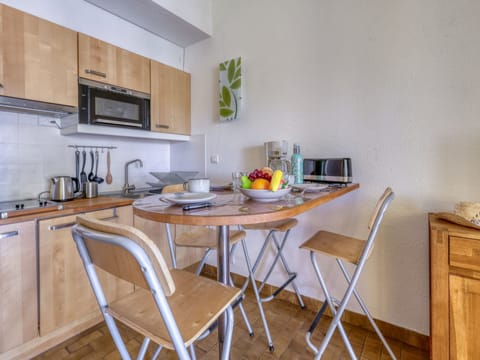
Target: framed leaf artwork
pixel 230 86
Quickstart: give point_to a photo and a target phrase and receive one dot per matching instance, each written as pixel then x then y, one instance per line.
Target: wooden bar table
pixel 234 209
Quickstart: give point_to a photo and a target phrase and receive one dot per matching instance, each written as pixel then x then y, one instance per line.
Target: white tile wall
pixel 32 150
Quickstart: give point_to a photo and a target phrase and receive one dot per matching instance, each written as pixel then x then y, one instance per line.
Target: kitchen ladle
pixel 108 178
pixel 97 178
pixel 83 174
pixel 91 175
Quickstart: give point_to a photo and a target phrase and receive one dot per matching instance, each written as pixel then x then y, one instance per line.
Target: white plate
pixel 310 187
pixel 265 195
pixel 188 197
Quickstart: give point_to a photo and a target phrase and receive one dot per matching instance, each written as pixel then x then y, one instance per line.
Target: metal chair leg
pixel 278 256
pixel 336 322
pixel 157 352
pixel 192 352
pixel 143 348
pixel 227 341
pixel 365 310
pixel 257 295
pixel 289 272
pixel 171 245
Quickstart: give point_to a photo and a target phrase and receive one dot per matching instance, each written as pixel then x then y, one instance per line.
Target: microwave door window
pixel 116 112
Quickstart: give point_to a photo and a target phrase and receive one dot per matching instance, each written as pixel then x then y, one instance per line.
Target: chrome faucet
pixel 127 187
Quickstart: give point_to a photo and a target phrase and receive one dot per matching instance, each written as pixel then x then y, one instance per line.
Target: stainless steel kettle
pixel 63 188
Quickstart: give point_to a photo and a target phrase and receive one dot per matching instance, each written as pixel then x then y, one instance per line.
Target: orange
pixel 261 184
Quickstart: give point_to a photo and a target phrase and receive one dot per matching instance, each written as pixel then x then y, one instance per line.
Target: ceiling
pixel 152 17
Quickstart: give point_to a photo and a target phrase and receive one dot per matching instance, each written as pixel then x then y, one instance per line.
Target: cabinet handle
pixel 95 72
pixel 61 226
pixel 8 234
pixel 161 126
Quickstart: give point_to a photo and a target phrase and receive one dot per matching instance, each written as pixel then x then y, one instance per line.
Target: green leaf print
pixel 226 112
pixel 231 71
pixel 236 84
pixel 226 96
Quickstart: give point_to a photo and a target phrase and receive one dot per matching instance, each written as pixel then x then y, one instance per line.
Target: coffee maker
pixel 276 156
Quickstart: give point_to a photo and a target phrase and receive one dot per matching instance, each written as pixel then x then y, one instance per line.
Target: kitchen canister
pixel 90 189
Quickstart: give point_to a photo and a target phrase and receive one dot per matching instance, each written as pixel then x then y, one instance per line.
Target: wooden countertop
pixel 229 212
pixel 73 207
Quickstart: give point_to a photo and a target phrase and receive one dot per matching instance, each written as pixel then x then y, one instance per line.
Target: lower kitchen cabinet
pixel 18 285
pixel 65 293
pixel 156 231
pixel 454 291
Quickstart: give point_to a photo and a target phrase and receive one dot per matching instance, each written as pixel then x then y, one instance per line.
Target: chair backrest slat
pixel 172 188
pixel 380 202
pixel 120 262
pixel 116 261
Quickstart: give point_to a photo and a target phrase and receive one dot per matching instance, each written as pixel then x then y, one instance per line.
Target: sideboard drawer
pixel 464 253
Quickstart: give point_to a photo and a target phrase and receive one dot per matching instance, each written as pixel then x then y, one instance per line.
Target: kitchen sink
pixel 135 194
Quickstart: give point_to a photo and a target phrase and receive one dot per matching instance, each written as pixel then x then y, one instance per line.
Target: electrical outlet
pixel 214 159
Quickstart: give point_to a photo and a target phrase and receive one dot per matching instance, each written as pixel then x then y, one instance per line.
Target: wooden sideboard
pixel 454 290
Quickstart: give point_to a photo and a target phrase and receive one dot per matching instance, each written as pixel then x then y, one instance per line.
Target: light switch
pixel 214 159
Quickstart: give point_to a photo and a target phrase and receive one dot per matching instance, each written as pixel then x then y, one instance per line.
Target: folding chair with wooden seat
pixel 204 238
pixel 356 252
pixel 172 308
pixel 274 228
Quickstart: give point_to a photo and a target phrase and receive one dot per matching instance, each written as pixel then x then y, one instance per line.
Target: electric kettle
pixel 63 188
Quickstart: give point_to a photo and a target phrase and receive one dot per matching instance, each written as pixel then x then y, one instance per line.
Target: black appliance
pixel 338 170
pixel 102 104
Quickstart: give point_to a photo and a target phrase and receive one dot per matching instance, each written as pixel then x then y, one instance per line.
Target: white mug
pixel 197 185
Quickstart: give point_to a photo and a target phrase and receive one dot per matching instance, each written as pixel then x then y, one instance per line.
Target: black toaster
pixel 337 170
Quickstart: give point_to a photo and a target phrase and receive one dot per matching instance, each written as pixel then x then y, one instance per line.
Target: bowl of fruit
pixel 264 185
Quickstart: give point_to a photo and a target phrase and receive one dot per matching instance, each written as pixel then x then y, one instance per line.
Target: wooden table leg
pixel 223 273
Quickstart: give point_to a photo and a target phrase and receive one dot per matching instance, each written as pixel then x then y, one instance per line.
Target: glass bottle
pixel 297 165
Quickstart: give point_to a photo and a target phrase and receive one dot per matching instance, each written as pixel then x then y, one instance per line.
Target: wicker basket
pixel 469 211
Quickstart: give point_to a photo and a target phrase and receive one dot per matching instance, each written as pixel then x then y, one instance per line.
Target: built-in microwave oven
pixel 103 104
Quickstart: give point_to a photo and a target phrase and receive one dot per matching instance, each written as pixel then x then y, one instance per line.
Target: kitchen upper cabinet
pixel 100 61
pixel 38 59
pixel 170 100
pixel 18 285
pixel 65 292
pixel 454 291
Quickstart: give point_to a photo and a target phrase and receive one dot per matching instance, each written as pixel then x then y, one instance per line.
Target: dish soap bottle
pixel 297 165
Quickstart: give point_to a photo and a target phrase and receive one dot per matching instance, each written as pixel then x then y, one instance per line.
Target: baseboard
pixel 395 332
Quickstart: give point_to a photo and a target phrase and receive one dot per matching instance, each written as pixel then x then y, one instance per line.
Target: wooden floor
pixel 288 324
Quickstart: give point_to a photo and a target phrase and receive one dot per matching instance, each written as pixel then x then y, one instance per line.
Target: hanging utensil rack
pixel 92 147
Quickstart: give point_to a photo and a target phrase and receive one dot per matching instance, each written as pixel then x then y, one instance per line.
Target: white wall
pixel 394 85
pixel 198 13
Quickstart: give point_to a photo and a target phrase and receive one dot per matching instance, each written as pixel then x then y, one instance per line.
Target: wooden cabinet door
pixel 464 318
pixel 170 100
pixel 100 61
pixel 38 59
pixel 65 292
pixel 18 285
